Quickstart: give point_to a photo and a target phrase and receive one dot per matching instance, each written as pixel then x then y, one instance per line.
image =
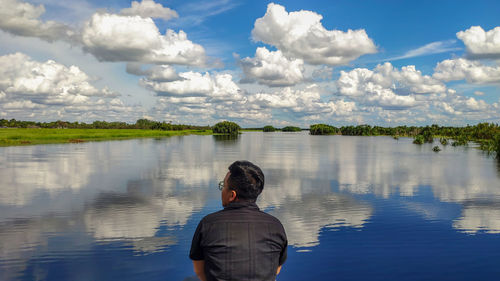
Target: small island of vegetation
pixel 268 128
pixel 323 129
pixel 291 129
pixel 226 128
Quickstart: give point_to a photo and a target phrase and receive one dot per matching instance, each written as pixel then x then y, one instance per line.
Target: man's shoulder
pixel 229 215
pixel 270 217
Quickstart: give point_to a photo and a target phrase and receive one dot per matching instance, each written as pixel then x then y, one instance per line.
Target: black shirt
pixel 240 243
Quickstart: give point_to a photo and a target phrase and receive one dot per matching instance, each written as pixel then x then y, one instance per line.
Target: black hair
pixel 246 179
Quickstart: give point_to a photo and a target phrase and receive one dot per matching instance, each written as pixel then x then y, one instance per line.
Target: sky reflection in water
pixel 126 210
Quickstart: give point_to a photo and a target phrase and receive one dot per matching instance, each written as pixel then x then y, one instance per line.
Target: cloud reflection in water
pixel 140 192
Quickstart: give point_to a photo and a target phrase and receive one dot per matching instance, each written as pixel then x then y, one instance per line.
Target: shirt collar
pixel 241 204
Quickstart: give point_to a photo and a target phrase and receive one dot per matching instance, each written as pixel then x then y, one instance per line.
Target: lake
pixel 354 208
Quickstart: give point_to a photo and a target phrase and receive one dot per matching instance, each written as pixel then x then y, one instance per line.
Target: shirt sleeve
pixel 196 252
pixel 284 251
pixel 283 254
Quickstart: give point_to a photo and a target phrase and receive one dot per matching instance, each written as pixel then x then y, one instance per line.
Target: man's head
pixel 243 182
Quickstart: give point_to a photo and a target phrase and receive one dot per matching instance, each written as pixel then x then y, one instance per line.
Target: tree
pixel 322 129
pixel 291 129
pixel 419 139
pixel 268 128
pixel 226 127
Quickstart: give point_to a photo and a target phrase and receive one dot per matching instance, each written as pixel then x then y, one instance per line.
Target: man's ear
pixel 232 196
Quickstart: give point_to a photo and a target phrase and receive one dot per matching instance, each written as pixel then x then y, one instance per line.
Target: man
pixel 239 242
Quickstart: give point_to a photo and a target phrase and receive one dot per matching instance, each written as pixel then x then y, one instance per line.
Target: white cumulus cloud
pixel 149 9
pixel 44 82
pixel 302 35
pixel 480 43
pixel 158 73
pixel 387 86
pixel 470 70
pixel 272 68
pixel 52 90
pixel 194 84
pixel 112 37
pixel 301 102
pixel 21 18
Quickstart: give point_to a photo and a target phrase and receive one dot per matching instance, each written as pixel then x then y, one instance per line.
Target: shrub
pixel 291 129
pixel 226 127
pixel 460 140
pixel 419 139
pixel 444 141
pixel 268 128
pixel 428 137
pixel 496 145
pixel 436 149
pixel 322 129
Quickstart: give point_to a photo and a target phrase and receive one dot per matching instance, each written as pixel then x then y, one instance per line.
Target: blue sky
pixel 253 62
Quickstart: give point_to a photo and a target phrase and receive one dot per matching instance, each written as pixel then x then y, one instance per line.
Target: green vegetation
pixel 485 134
pixel 291 129
pixel 24 136
pixel 461 140
pixel 268 128
pixel 436 149
pixel 496 145
pixel 419 139
pixel 226 128
pixel 28 132
pixel 140 124
pixel 323 129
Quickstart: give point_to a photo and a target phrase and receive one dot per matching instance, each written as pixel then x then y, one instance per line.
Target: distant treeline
pixel 479 131
pixel 144 124
pixel 270 128
pixel 485 134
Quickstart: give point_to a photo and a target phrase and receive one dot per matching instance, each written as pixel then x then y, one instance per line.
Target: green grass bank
pixel 28 136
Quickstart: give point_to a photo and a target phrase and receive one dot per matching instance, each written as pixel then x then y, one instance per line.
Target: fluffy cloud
pixel 193 84
pixel 158 73
pixel 46 83
pixel 301 35
pixel 459 105
pixel 301 102
pixel 388 87
pixel 463 69
pixel 149 9
pixel 52 90
pixel 132 38
pixel 272 68
pixel 20 18
pixel 480 43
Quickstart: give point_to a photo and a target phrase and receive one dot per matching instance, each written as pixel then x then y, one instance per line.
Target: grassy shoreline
pixel 21 136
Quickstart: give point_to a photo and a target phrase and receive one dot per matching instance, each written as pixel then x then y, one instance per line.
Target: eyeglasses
pixel 221 185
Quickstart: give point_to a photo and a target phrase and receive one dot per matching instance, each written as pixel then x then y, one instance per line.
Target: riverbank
pixel 29 136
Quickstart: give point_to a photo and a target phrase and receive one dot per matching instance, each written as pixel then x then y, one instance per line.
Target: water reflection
pixel 478 216
pixel 304 218
pixel 145 193
pixel 229 139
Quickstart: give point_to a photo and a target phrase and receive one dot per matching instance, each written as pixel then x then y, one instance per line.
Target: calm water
pixel 354 208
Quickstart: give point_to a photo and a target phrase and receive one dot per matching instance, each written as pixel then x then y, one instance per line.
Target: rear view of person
pixel 239 242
